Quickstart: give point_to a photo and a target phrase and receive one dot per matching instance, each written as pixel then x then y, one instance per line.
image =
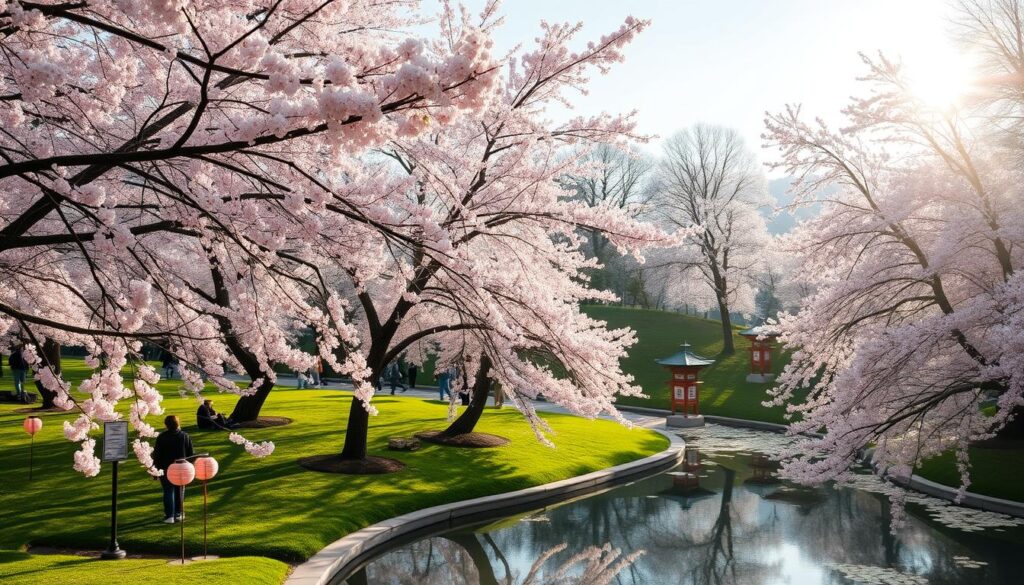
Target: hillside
pixel 725 391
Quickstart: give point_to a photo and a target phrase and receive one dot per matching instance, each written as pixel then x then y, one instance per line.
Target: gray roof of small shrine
pixel 753 332
pixel 685 357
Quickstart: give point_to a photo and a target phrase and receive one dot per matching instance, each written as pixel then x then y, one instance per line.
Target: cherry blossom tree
pixel 915 264
pixel 483 263
pixel 142 140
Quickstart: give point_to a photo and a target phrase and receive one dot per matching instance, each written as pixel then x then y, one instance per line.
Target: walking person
pixel 499 394
pixel 394 376
pixel 171 445
pixel 318 372
pixel 444 378
pixel 19 367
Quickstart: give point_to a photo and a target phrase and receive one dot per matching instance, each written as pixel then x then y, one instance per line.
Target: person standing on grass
pixel 19 367
pixel 171 445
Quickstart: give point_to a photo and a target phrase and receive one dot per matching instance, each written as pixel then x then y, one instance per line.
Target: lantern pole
pixel 204 519
pixel 181 500
pixel 31 447
pixel 113 549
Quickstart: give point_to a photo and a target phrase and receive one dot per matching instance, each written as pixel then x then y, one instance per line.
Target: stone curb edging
pixel 938 490
pixel 344 553
pixel 721 420
pixel 915 482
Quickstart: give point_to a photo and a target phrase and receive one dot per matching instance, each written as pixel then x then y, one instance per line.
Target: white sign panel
pixel 693 393
pixel 679 392
pixel 115 440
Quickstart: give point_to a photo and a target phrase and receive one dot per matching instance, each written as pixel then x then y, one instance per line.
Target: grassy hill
pixel 725 391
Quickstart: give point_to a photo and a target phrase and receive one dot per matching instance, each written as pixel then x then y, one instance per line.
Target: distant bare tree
pixel 708 178
pixel 620 179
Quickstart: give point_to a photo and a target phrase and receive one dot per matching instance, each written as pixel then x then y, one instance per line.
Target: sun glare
pixel 942 79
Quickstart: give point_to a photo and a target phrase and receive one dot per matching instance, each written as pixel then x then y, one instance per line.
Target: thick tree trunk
pixel 356 432
pixel 728 347
pixel 247 409
pixel 481 389
pixel 358 419
pixel 50 357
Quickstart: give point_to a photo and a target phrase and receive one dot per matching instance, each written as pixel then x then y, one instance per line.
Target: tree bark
pixel 247 409
pixel 356 432
pixel 50 355
pixel 728 346
pixel 481 389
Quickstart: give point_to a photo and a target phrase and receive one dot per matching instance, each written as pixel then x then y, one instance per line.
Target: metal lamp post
pixel 32 425
pixel 206 468
pixel 181 473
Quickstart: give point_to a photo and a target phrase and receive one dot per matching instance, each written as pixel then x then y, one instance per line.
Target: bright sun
pixel 942 79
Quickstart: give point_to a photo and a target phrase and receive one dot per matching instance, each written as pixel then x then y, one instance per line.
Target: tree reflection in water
pixel 460 559
pixel 739 527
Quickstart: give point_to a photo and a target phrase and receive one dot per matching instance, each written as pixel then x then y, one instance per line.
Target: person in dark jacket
pixel 171 445
pixel 413 370
pixel 165 358
pixel 393 373
pixel 19 367
pixel 209 419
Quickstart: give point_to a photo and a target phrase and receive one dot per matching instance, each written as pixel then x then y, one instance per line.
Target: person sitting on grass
pixel 209 419
pixel 171 445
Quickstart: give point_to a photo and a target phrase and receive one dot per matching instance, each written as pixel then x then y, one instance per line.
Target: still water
pixel 739 524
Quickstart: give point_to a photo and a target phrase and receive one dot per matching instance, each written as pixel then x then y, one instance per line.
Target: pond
pixel 738 524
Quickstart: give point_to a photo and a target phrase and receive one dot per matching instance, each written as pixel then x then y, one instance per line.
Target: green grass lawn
pixel 18 568
pixel 994 472
pixel 725 391
pixel 272 507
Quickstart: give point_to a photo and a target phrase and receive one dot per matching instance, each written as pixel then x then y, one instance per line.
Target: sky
pixel 726 62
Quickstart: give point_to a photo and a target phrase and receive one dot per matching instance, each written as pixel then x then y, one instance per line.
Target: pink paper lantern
pixel 206 468
pixel 181 473
pixel 32 425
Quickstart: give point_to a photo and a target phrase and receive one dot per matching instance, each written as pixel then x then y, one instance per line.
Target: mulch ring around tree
pixel 37 410
pixel 468 440
pixel 334 464
pixel 265 422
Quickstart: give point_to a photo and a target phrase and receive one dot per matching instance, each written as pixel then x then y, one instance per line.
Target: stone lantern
pixel 761 345
pixel 685 367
